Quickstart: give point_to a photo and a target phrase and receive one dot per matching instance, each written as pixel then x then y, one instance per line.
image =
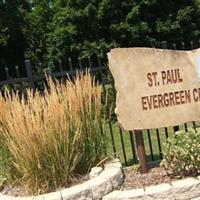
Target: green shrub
pixel 182 155
pixel 53 137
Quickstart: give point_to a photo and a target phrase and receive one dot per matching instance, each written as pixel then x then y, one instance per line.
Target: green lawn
pixel 127 142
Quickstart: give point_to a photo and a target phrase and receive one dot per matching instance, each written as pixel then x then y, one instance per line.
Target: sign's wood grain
pixel 155 88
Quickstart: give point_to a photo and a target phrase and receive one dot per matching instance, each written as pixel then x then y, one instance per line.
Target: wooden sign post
pixel 141 151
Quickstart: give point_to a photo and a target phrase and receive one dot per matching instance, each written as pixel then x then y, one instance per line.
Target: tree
pixel 48 30
pixel 12 40
pixel 84 27
pixel 37 29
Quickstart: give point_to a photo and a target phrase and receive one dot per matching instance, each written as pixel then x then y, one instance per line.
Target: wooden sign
pixel 155 88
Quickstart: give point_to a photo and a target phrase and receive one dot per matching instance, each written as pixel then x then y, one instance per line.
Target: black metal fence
pixel 119 142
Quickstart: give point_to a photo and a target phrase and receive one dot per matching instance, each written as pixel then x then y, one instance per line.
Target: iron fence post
pixel 30 74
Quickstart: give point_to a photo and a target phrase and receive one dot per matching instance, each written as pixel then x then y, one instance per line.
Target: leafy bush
pixel 54 136
pixel 182 155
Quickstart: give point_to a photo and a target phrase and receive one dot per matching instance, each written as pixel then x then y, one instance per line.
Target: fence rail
pixel 121 143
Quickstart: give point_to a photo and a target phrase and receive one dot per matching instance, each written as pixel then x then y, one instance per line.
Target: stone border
pixel 101 183
pixel 188 188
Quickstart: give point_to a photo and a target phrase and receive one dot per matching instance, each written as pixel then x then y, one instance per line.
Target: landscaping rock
pixel 3 197
pixel 39 197
pixel 95 171
pixel 125 195
pixel 161 191
pixel 114 163
pixel 186 189
pixel 198 198
pixel 100 187
pixel 80 192
pixel 114 174
pixel 53 196
pixel 113 195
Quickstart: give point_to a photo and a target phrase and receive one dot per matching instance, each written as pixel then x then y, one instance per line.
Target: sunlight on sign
pixel 198 66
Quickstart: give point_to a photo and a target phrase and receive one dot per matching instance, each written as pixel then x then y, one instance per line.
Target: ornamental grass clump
pixel 54 136
pixel 182 154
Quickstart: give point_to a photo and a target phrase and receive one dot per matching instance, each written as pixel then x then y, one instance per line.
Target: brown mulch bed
pixel 156 175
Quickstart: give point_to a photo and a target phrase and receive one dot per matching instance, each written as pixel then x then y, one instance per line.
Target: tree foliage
pixel 12 40
pixel 37 28
pixel 47 30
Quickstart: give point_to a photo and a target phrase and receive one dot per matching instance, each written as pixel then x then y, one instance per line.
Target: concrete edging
pixel 101 183
pixel 188 188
